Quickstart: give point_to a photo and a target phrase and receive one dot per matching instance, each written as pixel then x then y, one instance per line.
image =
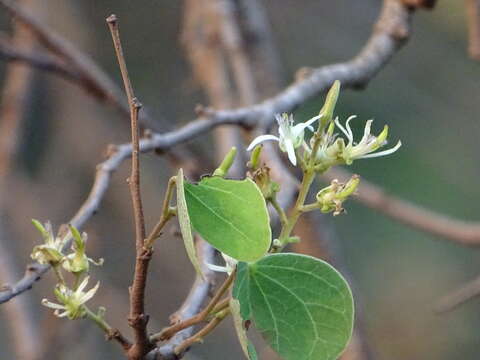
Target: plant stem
pixel 309 207
pixel 137 318
pixel 167 214
pixel 168 332
pixel 279 210
pixel 308 177
pixel 198 337
pixel 107 329
pixel 59 274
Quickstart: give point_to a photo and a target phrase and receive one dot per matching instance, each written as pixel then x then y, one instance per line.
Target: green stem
pixel 279 210
pixel 309 207
pixel 308 177
pixel 59 274
pixel 102 324
pixel 167 214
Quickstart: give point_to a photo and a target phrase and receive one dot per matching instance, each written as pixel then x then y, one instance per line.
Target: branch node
pixel 112 19
pixel 303 73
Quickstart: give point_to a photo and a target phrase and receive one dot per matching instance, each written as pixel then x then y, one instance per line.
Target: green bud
pixel 255 157
pixel 77 262
pixel 227 162
pixel 40 227
pixel 329 106
pixel 332 197
pixel 382 136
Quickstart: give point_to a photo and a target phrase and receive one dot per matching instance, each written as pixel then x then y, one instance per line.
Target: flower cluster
pixel 71 299
pixel 330 144
pixel 329 148
pixel 332 149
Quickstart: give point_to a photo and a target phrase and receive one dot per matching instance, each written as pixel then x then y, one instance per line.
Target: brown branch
pixel 462 232
pixel 472 8
pixel 167 333
pixel 137 318
pixel 93 79
pixel 191 306
pixel 198 337
pixel 385 41
pixel 39 60
pixel 466 292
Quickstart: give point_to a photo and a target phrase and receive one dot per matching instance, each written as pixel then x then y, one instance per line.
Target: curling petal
pixel 260 139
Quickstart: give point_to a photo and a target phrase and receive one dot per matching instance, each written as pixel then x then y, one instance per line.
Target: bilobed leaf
pixel 185 226
pixel 231 215
pixel 302 306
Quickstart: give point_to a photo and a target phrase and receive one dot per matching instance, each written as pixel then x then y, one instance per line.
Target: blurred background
pixel 428 94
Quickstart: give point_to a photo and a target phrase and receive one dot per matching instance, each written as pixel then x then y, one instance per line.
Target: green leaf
pixel 302 306
pixel 247 346
pixel 185 226
pixel 231 215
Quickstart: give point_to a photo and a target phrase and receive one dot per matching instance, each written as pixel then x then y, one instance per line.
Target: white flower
pixel 50 252
pixel 290 136
pixel 71 300
pixel 230 264
pixel 367 145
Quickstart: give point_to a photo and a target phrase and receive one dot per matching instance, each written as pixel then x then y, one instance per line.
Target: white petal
pixel 299 128
pixel 382 153
pixel 89 294
pixel 51 305
pixel 57 313
pixel 366 132
pixel 217 268
pixel 290 151
pixel 347 134
pixel 82 285
pixel 349 129
pixel 260 139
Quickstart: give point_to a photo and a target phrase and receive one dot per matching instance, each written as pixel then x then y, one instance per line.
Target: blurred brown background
pixel 428 94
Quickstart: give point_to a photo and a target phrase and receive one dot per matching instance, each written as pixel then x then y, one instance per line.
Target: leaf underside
pixel 185 226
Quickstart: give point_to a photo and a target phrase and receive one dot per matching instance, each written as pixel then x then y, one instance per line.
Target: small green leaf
pixel 231 215
pixel 302 306
pixel 185 226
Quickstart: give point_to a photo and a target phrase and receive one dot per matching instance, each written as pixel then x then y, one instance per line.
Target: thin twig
pixel 137 318
pixel 180 349
pixel 167 333
pixel 466 292
pixel 166 214
pixel 472 8
pixel 199 291
pixel 37 59
pixel 93 79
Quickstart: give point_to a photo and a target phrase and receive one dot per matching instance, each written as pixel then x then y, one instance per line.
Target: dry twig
pixel 459 296
pixel 473 21
pixel 137 318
